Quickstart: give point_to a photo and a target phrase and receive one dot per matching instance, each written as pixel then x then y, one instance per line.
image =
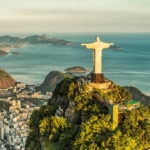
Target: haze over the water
pixel 63 16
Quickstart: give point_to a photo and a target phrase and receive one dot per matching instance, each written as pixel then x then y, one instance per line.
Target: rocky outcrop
pixel 6 80
pixel 67 106
pixel 61 101
pixel 71 114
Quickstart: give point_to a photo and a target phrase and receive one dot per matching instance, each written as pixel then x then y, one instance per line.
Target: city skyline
pixel 68 16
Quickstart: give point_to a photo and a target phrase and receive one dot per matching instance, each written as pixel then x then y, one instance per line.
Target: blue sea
pixel 129 66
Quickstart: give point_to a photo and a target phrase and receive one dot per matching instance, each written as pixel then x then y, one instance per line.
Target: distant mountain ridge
pixel 9 42
pixel 35 39
pixel 44 39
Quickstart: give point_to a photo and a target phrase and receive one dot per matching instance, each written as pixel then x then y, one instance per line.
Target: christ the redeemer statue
pixel 97 48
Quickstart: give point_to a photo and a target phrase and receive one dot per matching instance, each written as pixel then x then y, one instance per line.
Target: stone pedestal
pixel 97 77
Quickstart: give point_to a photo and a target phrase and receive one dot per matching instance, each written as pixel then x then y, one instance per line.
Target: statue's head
pixel 97 38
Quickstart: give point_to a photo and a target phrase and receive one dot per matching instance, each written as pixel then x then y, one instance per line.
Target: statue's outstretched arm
pixel 89 45
pixel 83 44
pixel 106 45
pixel 111 44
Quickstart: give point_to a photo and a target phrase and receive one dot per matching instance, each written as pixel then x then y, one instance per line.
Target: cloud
pixel 75 16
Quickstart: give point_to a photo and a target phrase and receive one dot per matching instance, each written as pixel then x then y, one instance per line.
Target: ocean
pixel 129 66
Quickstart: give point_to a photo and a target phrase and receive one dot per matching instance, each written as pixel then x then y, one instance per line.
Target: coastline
pixel 6 48
pixel 8 42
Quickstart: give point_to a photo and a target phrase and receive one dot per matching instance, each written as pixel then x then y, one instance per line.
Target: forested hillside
pixel 78 118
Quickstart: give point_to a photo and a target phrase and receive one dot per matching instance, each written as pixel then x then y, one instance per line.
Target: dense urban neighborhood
pixel 17 105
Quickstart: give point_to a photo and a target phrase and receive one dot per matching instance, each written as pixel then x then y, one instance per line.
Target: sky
pixel 79 16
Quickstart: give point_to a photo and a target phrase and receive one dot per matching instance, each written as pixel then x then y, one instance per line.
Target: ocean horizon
pixel 126 67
